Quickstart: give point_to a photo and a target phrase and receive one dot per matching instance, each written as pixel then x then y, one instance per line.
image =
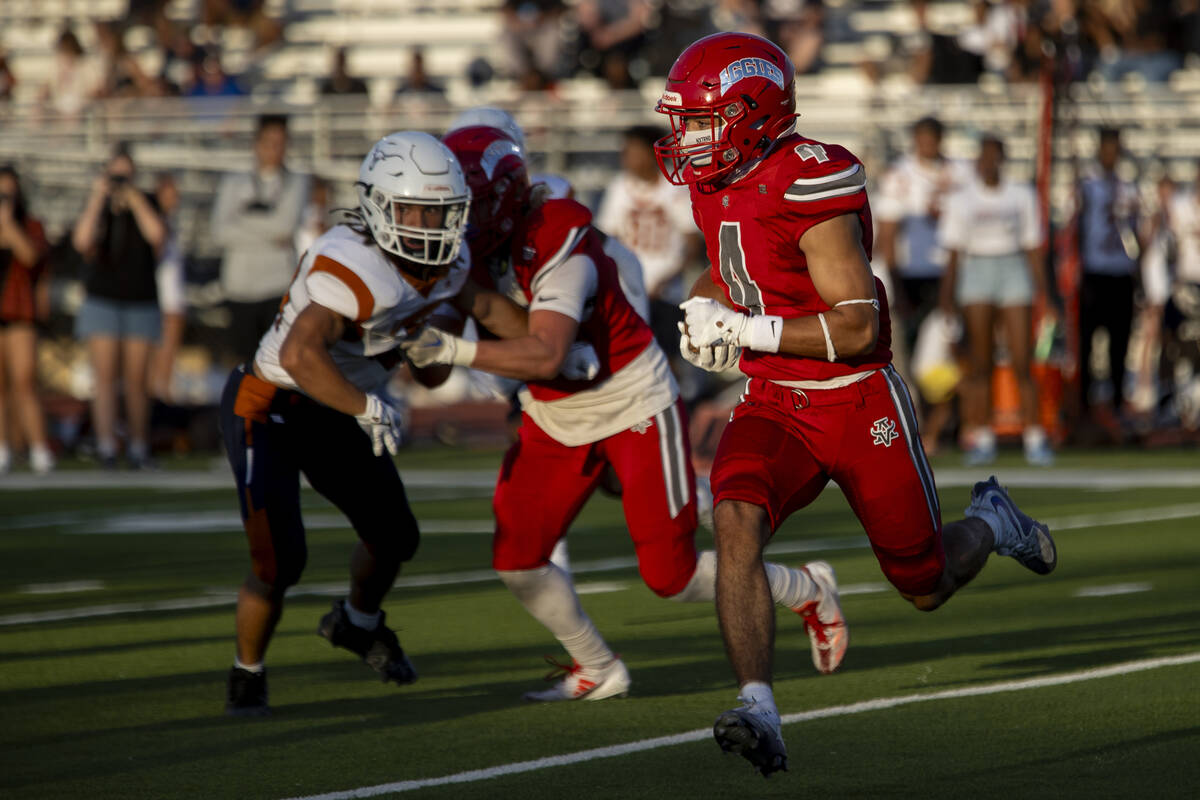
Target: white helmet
pixel 490 118
pixel 411 168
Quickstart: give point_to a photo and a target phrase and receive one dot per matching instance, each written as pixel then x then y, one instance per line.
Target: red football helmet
pixel 740 88
pixel 496 172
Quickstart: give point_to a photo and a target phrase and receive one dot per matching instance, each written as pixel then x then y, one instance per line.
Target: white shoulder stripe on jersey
pixel 574 236
pixel 823 179
pixel 804 198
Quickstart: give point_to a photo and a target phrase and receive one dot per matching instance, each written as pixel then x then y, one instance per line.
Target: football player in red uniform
pixel 547 257
pixel 787 226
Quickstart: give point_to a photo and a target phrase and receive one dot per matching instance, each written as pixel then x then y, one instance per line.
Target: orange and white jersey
pixel 346 272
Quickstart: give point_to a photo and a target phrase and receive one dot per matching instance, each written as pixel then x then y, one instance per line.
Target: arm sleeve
pixel 566 287
pixel 841 188
pixel 333 285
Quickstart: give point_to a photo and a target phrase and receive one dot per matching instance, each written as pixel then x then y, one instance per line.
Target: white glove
pixel 713 357
pixel 709 322
pixel 581 363
pixel 435 346
pixel 384 423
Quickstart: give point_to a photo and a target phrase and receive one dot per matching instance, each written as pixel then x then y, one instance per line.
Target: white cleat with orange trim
pixel 582 683
pixel 824 621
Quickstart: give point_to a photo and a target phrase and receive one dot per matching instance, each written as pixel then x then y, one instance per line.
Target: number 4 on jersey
pixel 816 151
pixel 742 288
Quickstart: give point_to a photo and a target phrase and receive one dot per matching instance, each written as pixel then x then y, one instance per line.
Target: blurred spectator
pixel 1108 250
pixel 254 219
pixel 1181 314
pixel 991 231
pixel 121 75
pixel 613 33
pixel 651 217
pixel 994 33
pixel 418 83
pixel 121 235
pixel 172 300
pixel 908 205
pixel 22 265
pixel 738 15
pixel 315 219
pixel 936 57
pixel 802 35
pixel 71 86
pixel 1131 37
pixel 251 14
pixel 1157 267
pixel 209 78
pixel 179 55
pixel 533 41
pixel 8 81
pixel 340 81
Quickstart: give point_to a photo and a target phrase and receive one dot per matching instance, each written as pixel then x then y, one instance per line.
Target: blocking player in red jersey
pixel 548 257
pixel 787 226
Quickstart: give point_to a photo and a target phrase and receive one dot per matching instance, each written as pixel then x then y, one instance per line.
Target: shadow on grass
pixel 1095 644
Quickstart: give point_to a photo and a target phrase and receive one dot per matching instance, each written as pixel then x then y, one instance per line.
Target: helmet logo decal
pixel 672 99
pixel 496 151
pixel 379 154
pixel 750 68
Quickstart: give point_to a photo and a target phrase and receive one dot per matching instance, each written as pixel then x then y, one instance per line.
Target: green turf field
pixel 116 634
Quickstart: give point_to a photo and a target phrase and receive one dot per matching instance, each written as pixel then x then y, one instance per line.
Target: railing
pixel 578 132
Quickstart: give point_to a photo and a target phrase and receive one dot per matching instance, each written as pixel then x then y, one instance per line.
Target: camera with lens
pixel 118 181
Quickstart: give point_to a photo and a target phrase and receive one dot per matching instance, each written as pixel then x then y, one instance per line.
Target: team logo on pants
pixel 883 431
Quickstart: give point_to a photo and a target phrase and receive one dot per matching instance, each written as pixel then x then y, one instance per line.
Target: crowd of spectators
pixel 929 245
pixel 622 42
pixel 973 283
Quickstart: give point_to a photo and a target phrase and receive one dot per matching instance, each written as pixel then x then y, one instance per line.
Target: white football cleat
pixel 753 733
pixel 823 619
pixel 581 683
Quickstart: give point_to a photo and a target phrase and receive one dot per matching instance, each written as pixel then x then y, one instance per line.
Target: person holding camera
pixel 255 218
pixel 120 235
pixel 22 266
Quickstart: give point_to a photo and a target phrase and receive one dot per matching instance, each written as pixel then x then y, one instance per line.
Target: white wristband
pixel 762 333
pixel 830 352
pixel 464 352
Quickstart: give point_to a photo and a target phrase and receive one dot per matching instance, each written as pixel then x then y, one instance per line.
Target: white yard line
pixel 1112 589
pixel 1128 517
pixel 642 745
pixel 485 479
pixel 66 587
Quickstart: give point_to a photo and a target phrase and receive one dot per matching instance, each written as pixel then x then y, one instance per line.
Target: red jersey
pixel 752 230
pixel 545 238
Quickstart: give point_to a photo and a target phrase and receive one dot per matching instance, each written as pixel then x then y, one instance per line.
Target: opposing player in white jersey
pixel 312 401
pixel 628 417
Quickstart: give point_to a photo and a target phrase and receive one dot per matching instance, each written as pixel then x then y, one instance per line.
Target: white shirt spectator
pixel 254 218
pixel 912 194
pixel 981 220
pixel 1185 224
pixel 653 220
